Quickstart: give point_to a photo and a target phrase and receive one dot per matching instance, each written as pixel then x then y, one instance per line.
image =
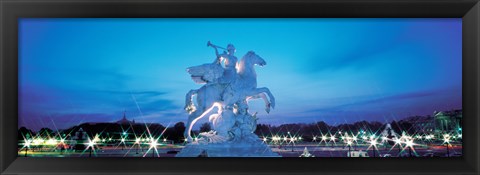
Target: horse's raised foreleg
pixel 265 99
pixel 266 91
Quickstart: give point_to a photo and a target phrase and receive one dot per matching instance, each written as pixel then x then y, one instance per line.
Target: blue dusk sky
pixel 334 70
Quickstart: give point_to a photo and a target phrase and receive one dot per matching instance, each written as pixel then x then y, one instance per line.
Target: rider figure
pixel 230 63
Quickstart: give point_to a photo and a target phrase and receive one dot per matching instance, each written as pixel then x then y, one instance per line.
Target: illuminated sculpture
pixel 224 99
pixel 306 153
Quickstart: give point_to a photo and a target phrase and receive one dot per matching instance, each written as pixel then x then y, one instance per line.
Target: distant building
pixel 448 121
pixel 440 123
pixel 124 120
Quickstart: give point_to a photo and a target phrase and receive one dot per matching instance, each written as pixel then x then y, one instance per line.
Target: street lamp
pixel 123 141
pixel 153 146
pixel 446 140
pixel 91 143
pixel 349 143
pixel 354 138
pixel 292 139
pixel 137 142
pixel 27 145
pixel 399 143
pixel 332 138
pixel 409 144
pixel 373 143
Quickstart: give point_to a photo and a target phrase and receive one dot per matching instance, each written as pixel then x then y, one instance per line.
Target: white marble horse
pixel 242 89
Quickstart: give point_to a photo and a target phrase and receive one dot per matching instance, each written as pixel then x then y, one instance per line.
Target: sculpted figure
pixel 228 90
pixel 229 60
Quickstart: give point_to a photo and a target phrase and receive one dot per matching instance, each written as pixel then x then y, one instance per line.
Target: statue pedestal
pixel 227 149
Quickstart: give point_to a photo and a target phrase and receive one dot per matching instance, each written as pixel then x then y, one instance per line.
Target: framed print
pixel 236 87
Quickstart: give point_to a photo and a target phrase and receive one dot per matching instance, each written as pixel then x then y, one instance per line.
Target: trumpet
pixel 214 46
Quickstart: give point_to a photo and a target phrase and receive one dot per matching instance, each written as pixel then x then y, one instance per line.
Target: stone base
pixel 227 149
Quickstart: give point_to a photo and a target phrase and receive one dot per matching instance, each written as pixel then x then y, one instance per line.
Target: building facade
pixel 448 121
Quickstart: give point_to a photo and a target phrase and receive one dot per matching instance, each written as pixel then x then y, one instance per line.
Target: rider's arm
pixel 218 59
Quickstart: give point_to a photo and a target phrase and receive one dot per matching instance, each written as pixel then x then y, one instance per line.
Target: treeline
pixel 321 128
pixel 112 130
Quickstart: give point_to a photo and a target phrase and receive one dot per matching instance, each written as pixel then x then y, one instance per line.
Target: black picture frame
pixel 11 10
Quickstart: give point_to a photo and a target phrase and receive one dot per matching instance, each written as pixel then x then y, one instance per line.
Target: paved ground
pixel 321 150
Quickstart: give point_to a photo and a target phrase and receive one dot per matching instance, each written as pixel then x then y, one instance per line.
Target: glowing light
pixel 333 138
pixel 409 143
pixel 137 141
pixel 275 138
pixel 397 141
pixel 122 140
pixel 446 138
pixel 27 143
pixel 153 144
pixel 349 142
pixel 124 133
pixel 37 141
pixel 96 139
pixel 285 138
pixel 91 143
pixel 354 138
pixel 373 142
pixel 314 138
pixel 324 138
pixel 264 139
pixel 51 142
